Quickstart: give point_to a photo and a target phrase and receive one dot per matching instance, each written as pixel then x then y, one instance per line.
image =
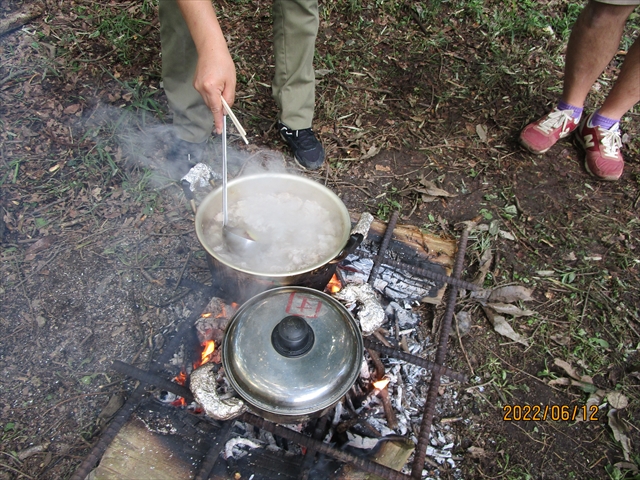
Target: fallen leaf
pixel 71 109
pixel 506 235
pixel 383 168
pixel 546 273
pixel 42 244
pixel 619 433
pixel 594 400
pixel 373 151
pixel 501 326
pixel 485 266
pixel 562 381
pixel 561 338
pixel 432 190
pixel 566 366
pixel 617 400
pixel 510 294
pixel 508 309
pixel 477 452
pixel 482 131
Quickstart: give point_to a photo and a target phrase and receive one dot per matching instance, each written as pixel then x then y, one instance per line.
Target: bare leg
pixel 626 91
pixel 594 41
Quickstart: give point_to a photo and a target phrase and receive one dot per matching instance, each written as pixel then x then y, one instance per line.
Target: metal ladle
pixel 237 239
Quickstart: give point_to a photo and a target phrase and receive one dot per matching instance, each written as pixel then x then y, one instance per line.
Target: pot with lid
pixel 302 230
pixel 292 353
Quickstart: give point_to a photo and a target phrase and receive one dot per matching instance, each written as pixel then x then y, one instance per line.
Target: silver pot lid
pixel 292 351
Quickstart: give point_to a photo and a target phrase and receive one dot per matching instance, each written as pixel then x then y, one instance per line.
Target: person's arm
pixel 215 73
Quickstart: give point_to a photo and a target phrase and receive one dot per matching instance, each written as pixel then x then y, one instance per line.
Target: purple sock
pixel 577 111
pixel 605 122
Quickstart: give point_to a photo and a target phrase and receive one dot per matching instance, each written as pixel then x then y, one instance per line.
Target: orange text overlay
pixel 541 413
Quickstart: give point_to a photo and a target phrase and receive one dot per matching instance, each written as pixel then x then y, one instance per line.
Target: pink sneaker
pixel 603 158
pixel 541 135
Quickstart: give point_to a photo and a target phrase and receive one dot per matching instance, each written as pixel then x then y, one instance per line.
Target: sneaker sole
pixel 531 150
pixel 586 164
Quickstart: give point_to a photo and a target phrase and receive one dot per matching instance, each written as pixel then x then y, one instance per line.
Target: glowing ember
pixel 334 284
pixel 206 315
pixel 380 384
pixel 181 379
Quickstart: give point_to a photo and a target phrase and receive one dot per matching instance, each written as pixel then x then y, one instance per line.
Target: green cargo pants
pixel 295 26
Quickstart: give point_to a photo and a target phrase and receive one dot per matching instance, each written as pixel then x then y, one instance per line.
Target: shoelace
pixel 304 138
pixel 557 118
pixel 611 141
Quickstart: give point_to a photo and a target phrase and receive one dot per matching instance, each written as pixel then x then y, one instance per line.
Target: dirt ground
pixel 96 236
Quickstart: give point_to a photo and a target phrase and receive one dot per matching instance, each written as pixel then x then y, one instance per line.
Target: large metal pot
pixel 242 282
pixel 291 353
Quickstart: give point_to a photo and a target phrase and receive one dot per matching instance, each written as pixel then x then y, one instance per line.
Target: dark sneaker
pixel 541 135
pixel 182 156
pixel 602 149
pixel 307 150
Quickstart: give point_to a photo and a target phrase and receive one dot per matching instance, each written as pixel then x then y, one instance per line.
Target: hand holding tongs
pixel 235 121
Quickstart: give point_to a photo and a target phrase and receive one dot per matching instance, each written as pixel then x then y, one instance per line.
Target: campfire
pixel 385 400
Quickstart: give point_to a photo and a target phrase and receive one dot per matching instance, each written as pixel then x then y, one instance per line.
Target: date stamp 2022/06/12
pixel 541 413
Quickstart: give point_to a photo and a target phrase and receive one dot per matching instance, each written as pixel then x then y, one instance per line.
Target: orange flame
pixel 181 379
pixel 207 352
pixel 334 285
pixel 380 384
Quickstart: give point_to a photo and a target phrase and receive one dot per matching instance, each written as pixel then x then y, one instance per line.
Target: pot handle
pixel 354 240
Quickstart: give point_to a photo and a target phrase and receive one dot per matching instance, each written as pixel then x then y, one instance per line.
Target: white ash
pixel 365 373
pixel 293 233
pixel 395 285
pixel 405 317
pixel 178 358
pixel 204 388
pixel 371 314
pixel 403 285
pixel 354 269
pixel 357 441
pixel 232 447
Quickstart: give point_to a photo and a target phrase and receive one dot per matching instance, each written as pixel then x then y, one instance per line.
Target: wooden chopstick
pixel 235 121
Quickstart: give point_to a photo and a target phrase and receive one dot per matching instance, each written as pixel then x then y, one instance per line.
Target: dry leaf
pixel 482 131
pixel 562 381
pixel 617 400
pixel 485 266
pixel 373 151
pixel 506 235
pixel 477 452
pixel 594 400
pixel 510 294
pixel 382 168
pixel 620 433
pixel 561 338
pixel 501 326
pixel 71 109
pixel 508 309
pixel 566 366
pixel 432 190
pixel 42 244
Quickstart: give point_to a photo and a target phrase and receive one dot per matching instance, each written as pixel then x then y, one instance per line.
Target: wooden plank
pixel 136 453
